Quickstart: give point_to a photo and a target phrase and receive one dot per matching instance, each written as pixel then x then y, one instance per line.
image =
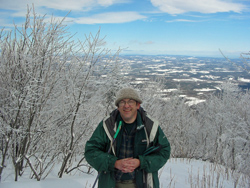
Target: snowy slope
pixel 178 173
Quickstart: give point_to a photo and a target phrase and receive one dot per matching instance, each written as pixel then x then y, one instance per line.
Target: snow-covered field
pixel 177 173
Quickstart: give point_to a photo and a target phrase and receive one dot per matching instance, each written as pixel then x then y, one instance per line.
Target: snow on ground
pixel 177 173
pixel 244 80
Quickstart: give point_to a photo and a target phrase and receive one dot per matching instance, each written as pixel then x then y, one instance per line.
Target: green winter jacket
pixel 148 134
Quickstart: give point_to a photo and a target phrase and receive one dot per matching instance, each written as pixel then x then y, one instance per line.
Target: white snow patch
pixel 244 80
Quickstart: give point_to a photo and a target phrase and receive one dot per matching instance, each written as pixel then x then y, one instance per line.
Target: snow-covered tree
pixel 48 93
pixel 216 130
pixel 174 115
pixel 224 128
pixel 244 64
pixel 32 58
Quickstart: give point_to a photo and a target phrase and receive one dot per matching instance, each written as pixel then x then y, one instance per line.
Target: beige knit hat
pixel 127 93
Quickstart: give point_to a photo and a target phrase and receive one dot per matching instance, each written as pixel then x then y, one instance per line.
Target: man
pixel 138 152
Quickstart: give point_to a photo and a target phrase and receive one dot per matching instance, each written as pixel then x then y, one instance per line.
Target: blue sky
pixel 149 27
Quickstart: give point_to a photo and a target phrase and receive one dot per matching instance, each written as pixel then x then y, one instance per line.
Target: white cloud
pixel 78 5
pixel 202 6
pixel 110 17
pixel 17 8
pixel 108 2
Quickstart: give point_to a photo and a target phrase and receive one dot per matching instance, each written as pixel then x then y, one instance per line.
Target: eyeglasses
pixel 130 103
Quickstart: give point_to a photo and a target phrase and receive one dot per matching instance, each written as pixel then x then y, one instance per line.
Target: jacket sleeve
pixel 96 151
pixel 153 162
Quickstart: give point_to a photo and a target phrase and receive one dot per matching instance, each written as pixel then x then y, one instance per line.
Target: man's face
pixel 128 110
